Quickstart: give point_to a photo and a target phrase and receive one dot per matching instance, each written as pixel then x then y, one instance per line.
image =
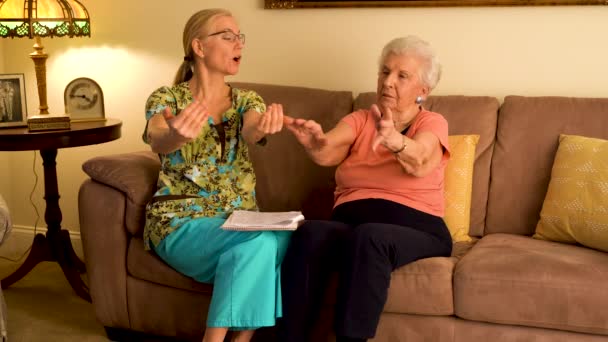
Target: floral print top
pixel 207 181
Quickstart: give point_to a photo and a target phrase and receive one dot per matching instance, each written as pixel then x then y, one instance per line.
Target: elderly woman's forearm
pixel 418 161
pixel 327 156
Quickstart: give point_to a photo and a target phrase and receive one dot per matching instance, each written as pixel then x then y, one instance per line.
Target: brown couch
pixel 504 286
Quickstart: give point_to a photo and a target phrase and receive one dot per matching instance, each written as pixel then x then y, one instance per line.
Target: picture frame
pixel 13 109
pixel 294 4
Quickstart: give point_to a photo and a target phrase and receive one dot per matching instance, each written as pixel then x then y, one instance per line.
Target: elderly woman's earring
pixel 419 100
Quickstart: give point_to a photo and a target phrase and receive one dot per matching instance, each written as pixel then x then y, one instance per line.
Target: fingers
pixel 287 120
pixel 302 126
pixel 190 120
pixel 272 120
pixel 313 127
pixel 308 133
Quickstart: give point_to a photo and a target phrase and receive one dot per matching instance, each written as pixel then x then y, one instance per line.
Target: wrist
pixel 401 147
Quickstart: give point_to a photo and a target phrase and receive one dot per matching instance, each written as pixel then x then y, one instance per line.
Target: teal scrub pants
pixel 244 268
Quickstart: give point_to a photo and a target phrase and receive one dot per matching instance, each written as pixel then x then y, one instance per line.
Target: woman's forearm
pixel 163 141
pixel 419 159
pixel 251 134
pixel 327 155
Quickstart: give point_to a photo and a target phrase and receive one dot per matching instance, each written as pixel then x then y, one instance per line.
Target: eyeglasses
pixel 230 36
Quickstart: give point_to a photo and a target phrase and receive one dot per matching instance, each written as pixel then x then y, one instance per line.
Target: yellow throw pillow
pixel 575 209
pixel 458 185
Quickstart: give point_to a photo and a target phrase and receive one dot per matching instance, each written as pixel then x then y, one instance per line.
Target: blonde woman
pixel 201 126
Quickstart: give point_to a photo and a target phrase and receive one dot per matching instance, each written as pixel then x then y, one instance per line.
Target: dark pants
pixel 365 241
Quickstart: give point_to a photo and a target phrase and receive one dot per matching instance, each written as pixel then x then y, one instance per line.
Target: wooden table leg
pixel 56 245
pixel 40 251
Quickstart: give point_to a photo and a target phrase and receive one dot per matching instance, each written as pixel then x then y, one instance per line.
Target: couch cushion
pixel 134 174
pixel 465 115
pixel 526 142
pixel 513 279
pixel 575 209
pixel 286 177
pixel 147 266
pixel 424 287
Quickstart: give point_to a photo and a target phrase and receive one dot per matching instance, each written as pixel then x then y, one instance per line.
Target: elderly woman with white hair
pixel 389 200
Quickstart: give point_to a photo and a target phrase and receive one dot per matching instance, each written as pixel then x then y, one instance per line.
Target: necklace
pixel 406 123
pixel 402 125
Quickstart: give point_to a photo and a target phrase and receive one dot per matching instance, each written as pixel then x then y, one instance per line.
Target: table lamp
pixel 37 19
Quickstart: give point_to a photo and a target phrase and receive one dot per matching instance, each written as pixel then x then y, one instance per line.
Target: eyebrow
pixel 227 30
pixel 384 67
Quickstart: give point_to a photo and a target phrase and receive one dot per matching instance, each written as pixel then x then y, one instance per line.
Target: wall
pixel 135 48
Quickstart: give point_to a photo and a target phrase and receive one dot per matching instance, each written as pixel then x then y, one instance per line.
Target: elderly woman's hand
pixel 386 133
pixel 308 132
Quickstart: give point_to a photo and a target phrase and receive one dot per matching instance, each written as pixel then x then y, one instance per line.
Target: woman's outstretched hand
pixel 385 128
pixel 308 132
pixel 271 121
pixel 187 125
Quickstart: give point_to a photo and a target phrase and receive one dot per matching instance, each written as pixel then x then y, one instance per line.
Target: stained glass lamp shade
pixel 43 18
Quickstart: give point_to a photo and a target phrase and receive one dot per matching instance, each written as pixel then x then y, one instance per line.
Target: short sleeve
pixel 356 120
pixel 250 100
pixel 438 125
pixel 157 102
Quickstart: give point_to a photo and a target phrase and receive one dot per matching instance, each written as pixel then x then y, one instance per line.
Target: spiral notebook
pixel 255 220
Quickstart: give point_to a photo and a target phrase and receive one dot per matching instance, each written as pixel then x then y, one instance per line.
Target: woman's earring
pixel 419 100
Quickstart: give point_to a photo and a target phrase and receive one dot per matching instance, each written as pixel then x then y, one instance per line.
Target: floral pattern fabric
pixel 216 182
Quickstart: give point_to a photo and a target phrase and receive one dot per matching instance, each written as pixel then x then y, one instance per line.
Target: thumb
pixel 388 114
pixel 376 142
pixel 376 112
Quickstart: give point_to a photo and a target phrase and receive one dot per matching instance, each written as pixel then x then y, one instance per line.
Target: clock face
pixel 83 99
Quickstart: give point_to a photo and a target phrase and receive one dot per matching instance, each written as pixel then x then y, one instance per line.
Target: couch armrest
pixel 134 174
pixel 105 241
pixel 111 208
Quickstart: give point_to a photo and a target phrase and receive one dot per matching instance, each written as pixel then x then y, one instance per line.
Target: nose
pixel 388 81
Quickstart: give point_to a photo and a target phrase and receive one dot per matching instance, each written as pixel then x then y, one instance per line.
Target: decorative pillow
pixel 575 209
pixel 458 185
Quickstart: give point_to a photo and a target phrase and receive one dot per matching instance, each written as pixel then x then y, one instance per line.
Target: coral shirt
pixel 368 174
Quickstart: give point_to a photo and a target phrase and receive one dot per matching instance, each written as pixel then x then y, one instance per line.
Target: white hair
pixel 412 45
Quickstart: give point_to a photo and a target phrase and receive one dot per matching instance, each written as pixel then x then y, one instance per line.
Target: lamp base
pixel 48 122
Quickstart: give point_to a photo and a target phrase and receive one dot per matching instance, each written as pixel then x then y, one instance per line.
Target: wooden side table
pixel 56 245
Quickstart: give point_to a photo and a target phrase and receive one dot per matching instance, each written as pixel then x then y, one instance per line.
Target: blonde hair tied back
pixel 198 23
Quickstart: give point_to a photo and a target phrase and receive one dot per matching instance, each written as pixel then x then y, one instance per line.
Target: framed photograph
pixel 289 4
pixel 13 111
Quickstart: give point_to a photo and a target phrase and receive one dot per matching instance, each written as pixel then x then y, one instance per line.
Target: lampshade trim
pixel 32 26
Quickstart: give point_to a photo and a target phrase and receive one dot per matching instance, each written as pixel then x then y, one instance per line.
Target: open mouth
pixel 237 59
